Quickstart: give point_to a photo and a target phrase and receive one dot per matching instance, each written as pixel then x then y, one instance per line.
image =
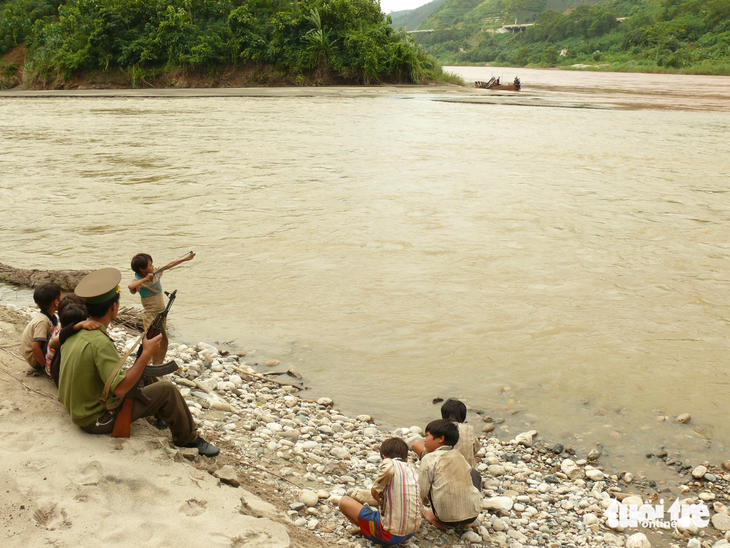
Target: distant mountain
pixel 411 19
pixel 461 14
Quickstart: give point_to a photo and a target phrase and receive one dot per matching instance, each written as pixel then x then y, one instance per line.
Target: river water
pixel 565 269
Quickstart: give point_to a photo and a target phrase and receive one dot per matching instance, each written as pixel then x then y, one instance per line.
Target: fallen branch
pixel 267 379
pixel 202 387
pixel 67 279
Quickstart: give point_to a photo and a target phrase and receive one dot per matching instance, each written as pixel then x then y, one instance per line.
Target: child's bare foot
pixel 473 525
pixel 433 520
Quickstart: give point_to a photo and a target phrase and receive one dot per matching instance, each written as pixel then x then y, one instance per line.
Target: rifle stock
pixel 123 422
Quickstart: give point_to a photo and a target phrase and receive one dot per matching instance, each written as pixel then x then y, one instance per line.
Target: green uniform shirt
pixel 87 360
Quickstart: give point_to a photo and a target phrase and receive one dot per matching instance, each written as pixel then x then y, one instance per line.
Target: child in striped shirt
pixel 396 490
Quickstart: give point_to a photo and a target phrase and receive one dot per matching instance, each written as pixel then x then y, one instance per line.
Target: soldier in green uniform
pixel 89 358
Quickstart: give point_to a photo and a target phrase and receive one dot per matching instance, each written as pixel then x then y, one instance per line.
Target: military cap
pixel 99 286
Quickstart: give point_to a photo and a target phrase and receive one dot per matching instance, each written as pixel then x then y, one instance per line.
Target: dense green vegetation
pixel 637 35
pixel 314 40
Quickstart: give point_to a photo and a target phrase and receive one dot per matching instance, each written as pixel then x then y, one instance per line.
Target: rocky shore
pixel 304 455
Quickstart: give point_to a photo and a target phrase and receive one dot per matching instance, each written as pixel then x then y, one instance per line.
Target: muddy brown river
pixel 557 258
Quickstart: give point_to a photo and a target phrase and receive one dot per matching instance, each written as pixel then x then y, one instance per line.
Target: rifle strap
pixel 115 371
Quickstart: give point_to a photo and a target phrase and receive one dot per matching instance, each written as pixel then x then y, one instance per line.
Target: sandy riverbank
pixel 294 459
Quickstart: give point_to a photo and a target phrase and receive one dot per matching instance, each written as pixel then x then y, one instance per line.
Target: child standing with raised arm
pixel 396 490
pixel 147 283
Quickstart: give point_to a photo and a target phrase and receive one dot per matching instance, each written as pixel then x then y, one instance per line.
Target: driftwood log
pixel 128 316
pixel 67 279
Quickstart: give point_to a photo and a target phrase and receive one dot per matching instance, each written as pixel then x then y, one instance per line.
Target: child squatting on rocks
pixel 147 282
pixel 396 490
pixel 468 445
pixel 445 481
pixel 34 340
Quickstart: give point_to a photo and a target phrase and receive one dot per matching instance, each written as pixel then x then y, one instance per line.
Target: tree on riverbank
pixel 273 41
pixel 633 35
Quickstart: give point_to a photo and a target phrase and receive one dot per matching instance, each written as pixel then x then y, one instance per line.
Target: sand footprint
pixel 193 507
pixel 51 517
pixel 18 442
pixel 90 474
pixel 7 407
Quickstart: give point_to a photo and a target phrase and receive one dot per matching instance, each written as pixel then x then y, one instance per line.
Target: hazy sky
pixel 397 5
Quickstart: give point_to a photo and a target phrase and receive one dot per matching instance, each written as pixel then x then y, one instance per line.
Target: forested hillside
pixel 412 19
pixel 633 35
pixel 144 41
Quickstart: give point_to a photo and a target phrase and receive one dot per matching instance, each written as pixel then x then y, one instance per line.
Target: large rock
pixel 595 475
pixel 525 438
pixel 699 472
pixel 309 497
pixel 496 470
pixel 634 500
pixel 497 504
pixel 571 469
pixel 228 475
pixel 638 540
pixel 721 522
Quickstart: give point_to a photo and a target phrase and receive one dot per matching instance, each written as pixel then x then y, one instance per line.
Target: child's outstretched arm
pixel 188 257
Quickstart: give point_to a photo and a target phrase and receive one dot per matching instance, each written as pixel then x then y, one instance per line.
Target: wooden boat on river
pixel 495 85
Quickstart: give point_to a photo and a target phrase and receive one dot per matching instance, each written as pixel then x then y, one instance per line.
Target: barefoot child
pixel 147 282
pixel 445 480
pixel 396 490
pixel 34 340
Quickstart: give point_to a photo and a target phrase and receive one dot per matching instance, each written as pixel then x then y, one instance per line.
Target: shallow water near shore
pixel 564 269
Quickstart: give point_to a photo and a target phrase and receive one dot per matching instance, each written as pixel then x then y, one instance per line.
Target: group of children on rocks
pixel 447 481
pixel 42 336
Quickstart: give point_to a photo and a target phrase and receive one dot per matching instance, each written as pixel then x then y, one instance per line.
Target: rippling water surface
pixel 565 269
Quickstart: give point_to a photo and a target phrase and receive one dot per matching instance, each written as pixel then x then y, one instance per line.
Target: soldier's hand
pixel 151 346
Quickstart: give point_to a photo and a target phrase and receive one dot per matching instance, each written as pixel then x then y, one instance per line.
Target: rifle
pixel 123 423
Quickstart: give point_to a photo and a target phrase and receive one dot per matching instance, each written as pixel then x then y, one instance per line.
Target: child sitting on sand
pixel 468 445
pixel 445 481
pixel 34 340
pixel 147 282
pixel 396 490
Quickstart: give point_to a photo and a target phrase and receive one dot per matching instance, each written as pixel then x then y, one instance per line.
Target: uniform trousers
pixel 167 404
